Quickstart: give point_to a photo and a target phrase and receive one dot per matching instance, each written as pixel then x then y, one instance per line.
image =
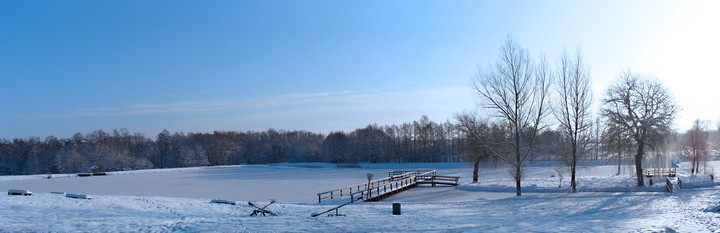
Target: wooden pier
pixel 397 181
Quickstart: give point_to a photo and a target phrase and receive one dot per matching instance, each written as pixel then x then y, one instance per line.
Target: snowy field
pixel 179 200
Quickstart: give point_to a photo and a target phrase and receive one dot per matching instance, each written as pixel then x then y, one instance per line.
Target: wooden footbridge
pixel 397 181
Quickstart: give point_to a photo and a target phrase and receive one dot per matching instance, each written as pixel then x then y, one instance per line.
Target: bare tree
pixel 573 108
pixel 717 138
pixel 696 145
pixel 515 89
pixel 644 108
pixel 475 131
pixel 615 143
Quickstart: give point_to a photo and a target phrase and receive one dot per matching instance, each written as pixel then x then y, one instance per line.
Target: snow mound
pixel 697 181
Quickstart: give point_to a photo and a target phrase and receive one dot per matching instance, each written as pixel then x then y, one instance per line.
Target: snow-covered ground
pixel 179 200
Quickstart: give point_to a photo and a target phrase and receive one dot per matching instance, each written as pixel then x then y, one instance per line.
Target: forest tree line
pixel 418 141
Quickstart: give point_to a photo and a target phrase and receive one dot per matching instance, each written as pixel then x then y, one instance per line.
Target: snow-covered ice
pixel 179 200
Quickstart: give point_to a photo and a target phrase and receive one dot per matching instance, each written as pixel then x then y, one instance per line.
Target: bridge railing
pixel 397 184
pixel 416 172
pixel 373 185
pixel 659 172
pixel 373 192
pixel 439 179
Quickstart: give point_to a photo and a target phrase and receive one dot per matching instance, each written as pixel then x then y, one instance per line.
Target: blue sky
pixel 201 66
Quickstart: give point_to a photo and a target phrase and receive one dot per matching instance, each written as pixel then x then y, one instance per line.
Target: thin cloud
pixel 428 99
pixel 211 106
pixel 354 110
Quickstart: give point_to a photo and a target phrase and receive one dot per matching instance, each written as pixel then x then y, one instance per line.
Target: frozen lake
pixel 251 183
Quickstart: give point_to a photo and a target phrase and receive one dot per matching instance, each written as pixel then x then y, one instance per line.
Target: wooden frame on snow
pixel 19 192
pixel 219 201
pixel 78 196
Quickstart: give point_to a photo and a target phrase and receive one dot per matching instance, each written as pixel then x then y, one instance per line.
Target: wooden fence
pixel 660 172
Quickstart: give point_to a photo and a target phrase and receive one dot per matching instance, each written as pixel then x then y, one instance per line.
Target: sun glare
pixel 685 57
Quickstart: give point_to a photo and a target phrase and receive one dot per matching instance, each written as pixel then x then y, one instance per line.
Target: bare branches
pixel 516 89
pixel 476 131
pixel 696 145
pixel 573 106
pixel 642 107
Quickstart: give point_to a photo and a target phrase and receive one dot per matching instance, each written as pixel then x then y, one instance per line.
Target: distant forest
pixel 418 141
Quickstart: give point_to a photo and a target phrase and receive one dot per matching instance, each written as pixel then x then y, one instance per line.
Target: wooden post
pixel 369 177
pixel 679 183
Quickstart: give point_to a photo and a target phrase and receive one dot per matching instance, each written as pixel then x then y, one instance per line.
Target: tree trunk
pixel 475 170
pixel 638 165
pixel 574 162
pixel 572 174
pixel 518 165
pixel 619 154
pixel 517 184
pixel 692 166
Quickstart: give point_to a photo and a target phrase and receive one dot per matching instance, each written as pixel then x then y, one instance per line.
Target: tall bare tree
pixel 642 107
pixel 572 108
pixel 696 145
pixel 515 89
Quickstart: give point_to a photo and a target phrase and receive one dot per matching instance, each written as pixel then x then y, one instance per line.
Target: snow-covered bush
pixel 557 172
pixel 697 181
